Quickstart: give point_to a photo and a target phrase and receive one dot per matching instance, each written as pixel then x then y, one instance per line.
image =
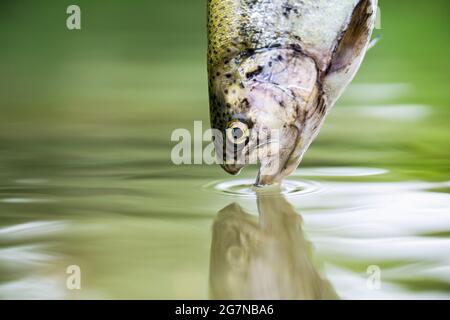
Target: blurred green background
pixel 140 66
pixel 85 124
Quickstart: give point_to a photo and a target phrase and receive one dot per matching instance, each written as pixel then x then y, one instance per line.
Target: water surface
pixel 86 177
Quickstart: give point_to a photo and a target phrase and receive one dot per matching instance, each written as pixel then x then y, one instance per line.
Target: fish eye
pixel 237 132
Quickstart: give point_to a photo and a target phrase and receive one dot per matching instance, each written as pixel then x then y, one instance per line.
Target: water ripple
pixel 246 188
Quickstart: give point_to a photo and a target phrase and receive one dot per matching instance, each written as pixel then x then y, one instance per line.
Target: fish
pixel 275 70
pixel 264 256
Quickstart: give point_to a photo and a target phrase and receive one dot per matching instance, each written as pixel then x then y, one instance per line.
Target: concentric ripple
pixel 246 188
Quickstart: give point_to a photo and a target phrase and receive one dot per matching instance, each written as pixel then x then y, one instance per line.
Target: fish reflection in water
pixel 268 258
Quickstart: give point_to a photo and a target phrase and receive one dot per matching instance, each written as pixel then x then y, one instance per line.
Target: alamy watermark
pixel 73 21
pixel 236 145
pixel 373 281
pixel 73 281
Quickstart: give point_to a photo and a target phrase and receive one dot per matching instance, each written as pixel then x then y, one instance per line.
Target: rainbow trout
pixel 279 66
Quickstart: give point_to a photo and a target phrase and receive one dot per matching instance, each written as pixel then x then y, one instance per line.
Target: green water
pixel 86 177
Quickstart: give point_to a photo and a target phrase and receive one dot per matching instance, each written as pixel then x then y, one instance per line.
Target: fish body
pixel 280 65
pixel 264 258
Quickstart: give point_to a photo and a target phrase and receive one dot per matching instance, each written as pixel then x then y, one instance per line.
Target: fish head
pixel 264 98
pixel 271 88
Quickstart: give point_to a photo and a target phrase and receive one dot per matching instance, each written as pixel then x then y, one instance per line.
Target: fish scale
pixel 281 65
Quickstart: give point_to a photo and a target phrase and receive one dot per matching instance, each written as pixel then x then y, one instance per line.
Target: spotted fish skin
pixel 282 64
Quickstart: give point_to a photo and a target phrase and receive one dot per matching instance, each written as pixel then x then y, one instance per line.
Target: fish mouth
pixel 274 167
pixel 250 156
pixel 232 168
pixel 263 180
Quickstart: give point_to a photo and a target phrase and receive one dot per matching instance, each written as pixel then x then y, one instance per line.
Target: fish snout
pixel 232 168
pixel 275 159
